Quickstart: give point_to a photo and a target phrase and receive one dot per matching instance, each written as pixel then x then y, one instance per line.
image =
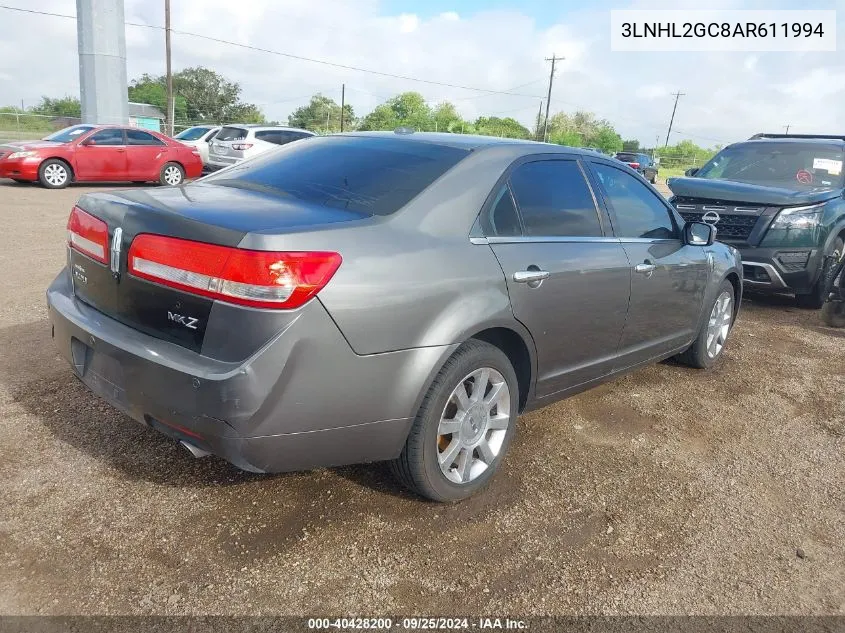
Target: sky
pixel 490 44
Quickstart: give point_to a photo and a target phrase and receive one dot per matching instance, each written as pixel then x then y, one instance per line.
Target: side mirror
pixel 89 141
pixel 692 171
pixel 699 234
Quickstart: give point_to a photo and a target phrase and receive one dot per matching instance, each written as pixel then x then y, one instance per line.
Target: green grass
pixel 671 172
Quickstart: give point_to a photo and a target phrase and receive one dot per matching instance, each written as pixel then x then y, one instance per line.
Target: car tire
pixel 473 447
pixel 54 174
pixel 171 175
pixel 713 335
pixel 653 179
pixel 815 299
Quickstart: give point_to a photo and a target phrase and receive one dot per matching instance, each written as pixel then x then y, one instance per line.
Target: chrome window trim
pixel 569 239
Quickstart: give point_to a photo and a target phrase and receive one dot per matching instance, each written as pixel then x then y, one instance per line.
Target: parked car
pixel 99 153
pixel 642 163
pixel 379 296
pixel 235 143
pixel 777 198
pixel 198 137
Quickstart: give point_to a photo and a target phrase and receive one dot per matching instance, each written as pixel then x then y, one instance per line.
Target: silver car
pixel 234 143
pixel 381 296
pixel 200 137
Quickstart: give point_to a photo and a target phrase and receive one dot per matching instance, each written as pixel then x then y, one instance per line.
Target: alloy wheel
pixel 719 324
pixel 172 175
pixel 473 425
pixel 55 174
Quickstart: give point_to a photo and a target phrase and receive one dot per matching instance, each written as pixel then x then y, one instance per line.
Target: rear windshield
pixel 376 176
pixel 628 158
pixel 69 133
pixel 192 133
pixel 798 166
pixel 231 134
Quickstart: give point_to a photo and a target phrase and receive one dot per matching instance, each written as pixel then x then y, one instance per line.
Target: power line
pixel 288 55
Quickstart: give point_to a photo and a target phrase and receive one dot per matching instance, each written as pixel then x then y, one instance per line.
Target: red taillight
pixel 260 279
pixel 634 165
pixel 88 235
pixel 241 146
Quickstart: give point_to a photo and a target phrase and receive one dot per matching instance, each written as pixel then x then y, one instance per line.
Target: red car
pixel 100 153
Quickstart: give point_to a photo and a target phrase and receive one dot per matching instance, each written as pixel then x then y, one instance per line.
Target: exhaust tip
pixel 193 450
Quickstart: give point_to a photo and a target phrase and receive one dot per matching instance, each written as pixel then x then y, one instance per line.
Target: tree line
pixel 203 96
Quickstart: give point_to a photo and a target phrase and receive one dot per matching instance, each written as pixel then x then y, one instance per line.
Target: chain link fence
pixel 21 126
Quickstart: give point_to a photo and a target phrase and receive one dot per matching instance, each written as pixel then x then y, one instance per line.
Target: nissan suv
pixel 778 199
pixel 235 143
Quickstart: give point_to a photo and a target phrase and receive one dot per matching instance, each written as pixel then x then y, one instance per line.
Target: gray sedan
pixel 383 296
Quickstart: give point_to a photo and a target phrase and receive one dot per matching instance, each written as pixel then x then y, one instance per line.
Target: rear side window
pixel 232 133
pixel 502 220
pixel 376 176
pixel 137 137
pixel 270 136
pixel 554 200
pixel 637 211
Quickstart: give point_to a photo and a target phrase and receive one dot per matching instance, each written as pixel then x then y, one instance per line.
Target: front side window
pixel 110 136
pixel 137 137
pixel 637 211
pixel 555 200
pixel 789 165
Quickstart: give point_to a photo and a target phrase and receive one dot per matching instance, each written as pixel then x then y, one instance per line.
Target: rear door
pixel 145 155
pixel 669 278
pixel 102 156
pixel 568 278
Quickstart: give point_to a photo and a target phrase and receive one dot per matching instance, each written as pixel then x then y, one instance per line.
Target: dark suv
pixel 642 163
pixel 778 199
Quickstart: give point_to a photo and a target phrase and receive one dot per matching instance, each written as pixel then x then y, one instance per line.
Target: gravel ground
pixel 669 491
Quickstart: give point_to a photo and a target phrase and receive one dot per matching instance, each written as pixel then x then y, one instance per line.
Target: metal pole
pixel 170 107
pixel 342 104
pixel 102 61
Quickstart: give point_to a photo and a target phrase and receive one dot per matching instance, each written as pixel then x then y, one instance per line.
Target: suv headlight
pixel 21 154
pixel 799 217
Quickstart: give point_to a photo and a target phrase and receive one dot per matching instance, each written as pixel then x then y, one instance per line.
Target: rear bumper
pixel 216 162
pixel 780 269
pixel 304 400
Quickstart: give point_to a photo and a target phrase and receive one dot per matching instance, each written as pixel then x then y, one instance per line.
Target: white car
pixel 199 137
pixel 237 142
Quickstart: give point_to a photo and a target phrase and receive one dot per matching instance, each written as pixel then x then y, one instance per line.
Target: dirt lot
pixel 669 491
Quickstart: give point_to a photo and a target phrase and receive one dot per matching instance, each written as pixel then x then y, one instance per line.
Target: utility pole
pixel 551 59
pixel 539 118
pixel 342 103
pixel 787 128
pixel 170 108
pixel 672 120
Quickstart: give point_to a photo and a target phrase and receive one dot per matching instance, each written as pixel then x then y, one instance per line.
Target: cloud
pixel 728 96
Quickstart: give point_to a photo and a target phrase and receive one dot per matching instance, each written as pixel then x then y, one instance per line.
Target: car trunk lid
pixel 209 214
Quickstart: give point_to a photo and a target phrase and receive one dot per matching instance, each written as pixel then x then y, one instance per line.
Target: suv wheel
pixel 464 426
pixel 713 335
pixel 815 299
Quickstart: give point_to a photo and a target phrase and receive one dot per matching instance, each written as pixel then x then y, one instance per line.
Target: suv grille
pixel 735 222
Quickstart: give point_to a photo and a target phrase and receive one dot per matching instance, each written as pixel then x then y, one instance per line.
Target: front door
pixel 101 156
pixel 668 278
pixel 144 155
pixel 568 280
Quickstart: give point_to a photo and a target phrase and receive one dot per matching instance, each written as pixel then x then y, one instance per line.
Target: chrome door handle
pixel 644 269
pixel 530 276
